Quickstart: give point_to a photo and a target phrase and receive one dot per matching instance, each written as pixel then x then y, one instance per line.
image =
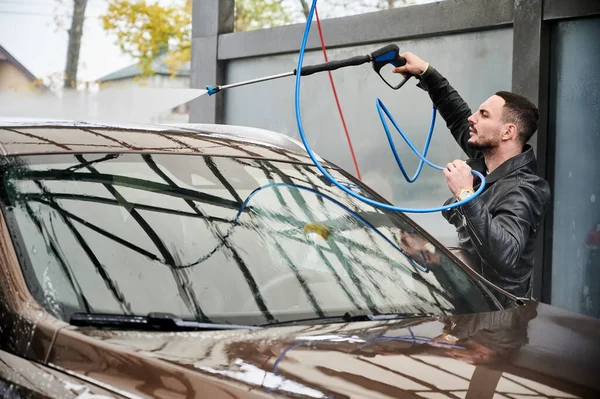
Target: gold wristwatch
pixel 464 194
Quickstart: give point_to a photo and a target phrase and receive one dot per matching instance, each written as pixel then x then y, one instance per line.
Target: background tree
pixel 146 30
pixel 75 34
pixel 260 14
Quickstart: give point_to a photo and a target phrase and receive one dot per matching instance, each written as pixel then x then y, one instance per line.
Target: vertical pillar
pixel 210 18
pixel 530 77
pixel 484 383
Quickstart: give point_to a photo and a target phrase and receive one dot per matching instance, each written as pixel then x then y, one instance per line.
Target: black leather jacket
pixel 498 228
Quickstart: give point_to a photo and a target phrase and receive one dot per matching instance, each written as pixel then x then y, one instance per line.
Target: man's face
pixel 487 125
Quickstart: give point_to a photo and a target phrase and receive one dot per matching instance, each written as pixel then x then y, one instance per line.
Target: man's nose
pixel 472 119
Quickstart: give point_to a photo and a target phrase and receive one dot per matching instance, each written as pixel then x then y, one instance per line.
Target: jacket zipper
pixel 471 228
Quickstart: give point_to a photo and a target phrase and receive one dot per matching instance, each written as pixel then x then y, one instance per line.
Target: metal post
pixel 210 18
pixel 530 77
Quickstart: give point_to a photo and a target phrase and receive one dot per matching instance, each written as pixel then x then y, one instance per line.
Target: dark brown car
pixel 206 261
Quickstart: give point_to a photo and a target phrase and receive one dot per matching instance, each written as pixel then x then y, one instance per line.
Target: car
pixel 215 261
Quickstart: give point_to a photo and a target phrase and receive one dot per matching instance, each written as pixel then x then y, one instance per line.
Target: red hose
pixel 337 101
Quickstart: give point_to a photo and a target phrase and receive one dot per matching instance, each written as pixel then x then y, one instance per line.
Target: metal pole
pixel 247 82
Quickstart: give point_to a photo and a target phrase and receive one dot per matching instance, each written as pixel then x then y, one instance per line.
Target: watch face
pixel 464 194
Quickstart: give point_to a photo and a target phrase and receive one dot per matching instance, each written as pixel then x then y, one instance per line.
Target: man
pixel 498 228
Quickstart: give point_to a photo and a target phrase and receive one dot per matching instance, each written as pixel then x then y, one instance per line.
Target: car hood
pixel 531 351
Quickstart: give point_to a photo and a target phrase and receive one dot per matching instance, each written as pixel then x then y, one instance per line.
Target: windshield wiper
pixel 349 317
pixel 152 322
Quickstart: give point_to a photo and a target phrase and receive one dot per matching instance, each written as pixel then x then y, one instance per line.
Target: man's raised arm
pixel 449 103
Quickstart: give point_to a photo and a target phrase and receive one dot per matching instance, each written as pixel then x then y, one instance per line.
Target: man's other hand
pixel 414 65
pixel 458 176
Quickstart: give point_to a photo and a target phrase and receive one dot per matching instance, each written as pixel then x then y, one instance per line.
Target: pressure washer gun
pixel 387 56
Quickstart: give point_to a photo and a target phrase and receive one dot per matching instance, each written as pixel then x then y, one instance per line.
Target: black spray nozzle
pixel 389 54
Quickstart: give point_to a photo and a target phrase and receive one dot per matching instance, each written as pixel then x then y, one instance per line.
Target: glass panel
pixel 575 122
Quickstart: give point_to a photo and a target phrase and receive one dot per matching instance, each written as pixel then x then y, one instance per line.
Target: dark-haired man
pixel 498 228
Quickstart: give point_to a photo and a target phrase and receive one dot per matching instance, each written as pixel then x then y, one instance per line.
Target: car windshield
pixel 218 239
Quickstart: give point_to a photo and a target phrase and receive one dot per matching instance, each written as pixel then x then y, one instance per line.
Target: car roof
pixel 31 136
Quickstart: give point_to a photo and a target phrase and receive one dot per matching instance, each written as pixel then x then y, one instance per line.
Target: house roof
pixel 7 57
pixel 134 70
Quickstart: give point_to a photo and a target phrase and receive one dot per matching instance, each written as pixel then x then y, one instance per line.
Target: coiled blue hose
pixel 381 109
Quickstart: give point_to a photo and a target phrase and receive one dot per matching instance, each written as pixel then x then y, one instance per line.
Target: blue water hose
pixel 381 109
pixel 355 215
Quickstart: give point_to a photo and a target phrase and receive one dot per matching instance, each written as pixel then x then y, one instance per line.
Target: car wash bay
pixel 546 50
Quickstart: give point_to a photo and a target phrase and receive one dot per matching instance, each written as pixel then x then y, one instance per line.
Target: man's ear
pixel 510 132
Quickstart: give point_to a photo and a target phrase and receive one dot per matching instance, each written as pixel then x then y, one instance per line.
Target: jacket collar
pixel 525 160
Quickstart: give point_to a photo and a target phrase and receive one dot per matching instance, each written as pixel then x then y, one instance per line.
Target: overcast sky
pixel 29 33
